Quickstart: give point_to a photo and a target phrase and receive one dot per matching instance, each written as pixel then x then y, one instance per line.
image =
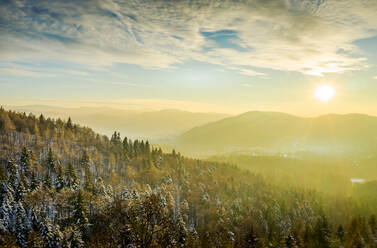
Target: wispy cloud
pixel 248 85
pixel 26 70
pixel 121 83
pixel 312 37
pixel 24 73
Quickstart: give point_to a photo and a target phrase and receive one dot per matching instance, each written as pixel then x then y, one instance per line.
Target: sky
pixel 227 56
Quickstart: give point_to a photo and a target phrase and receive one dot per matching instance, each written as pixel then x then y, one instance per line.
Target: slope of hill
pixel 279 132
pixel 153 125
pixel 63 185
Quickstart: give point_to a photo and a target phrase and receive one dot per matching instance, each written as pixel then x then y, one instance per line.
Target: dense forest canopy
pixel 63 185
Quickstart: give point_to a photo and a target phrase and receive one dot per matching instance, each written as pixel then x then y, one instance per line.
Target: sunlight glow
pixel 324 93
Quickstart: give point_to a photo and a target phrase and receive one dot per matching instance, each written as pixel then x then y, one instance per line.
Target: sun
pixel 324 93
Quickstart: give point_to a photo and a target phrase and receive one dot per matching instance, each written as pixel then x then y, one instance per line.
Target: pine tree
pixel 51 162
pixel 21 190
pixel 116 141
pixel 34 184
pixel 84 161
pixel 22 227
pixel 100 187
pixel 50 233
pixel 59 182
pixel 131 150
pixel 71 177
pixel 69 124
pixel 89 181
pixel 42 120
pixel 80 211
pixel 125 144
pixel 322 233
pixel 25 160
pixel 147 148
pixel 25 182
pixel 13 176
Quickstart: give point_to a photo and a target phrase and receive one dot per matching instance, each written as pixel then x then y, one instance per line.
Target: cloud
pixel 10 69
pixel 311 37
pixel 24 73
pixel 120 83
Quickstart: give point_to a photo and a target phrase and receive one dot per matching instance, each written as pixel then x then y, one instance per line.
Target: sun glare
pixel 324 93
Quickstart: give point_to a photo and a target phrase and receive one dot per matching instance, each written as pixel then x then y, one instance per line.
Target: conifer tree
pixel 89 181
pixel 147 148
pixel 12 174
pixel 25 160
pixel 69 124
pixel 322 233
pixel 34 182
pixel 51 162
pixel 25 181
pixel 42 120
pixel 59 182
pixel 80 211
pixel 125 144
pixel 71 177
pixel 84 161
pixel 22 226
pixel 50 233
pixel 21 190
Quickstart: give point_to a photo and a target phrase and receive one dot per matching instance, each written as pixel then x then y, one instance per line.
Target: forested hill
pixel 62 185
pixel 155 125
pixel 332 134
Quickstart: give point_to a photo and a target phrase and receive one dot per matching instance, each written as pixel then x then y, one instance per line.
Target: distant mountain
pixel 279 132
pixel 135 124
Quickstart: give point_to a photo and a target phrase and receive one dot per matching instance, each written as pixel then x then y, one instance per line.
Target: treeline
pixel 62 185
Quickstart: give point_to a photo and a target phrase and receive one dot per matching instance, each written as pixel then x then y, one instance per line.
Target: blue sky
pixel 224 56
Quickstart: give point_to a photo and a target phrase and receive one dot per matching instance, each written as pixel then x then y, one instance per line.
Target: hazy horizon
pixel 165 107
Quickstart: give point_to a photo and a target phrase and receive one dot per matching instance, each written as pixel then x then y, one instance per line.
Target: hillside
pixel 63 185
pixel 279 132
pixel 153 125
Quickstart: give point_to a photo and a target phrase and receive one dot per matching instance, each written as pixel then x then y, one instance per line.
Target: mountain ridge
pixel 159 124
pixel 273 130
